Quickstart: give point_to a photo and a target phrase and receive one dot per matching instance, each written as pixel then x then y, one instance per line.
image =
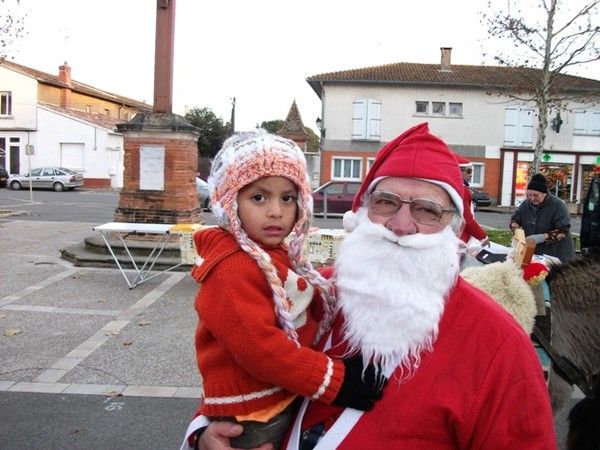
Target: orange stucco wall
pixel 78 101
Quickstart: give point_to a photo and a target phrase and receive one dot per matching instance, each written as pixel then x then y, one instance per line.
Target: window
pixel 438 108
pixel 455 109
pixel 346 168
pixel 477 177
pixel 422 107
pixel 5 103
pixel 370 162
pixel 366 119
pixel 587 121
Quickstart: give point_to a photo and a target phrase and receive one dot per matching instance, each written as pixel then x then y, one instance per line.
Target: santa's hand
pixel 216 437
pixel 360 389
pixel 537 238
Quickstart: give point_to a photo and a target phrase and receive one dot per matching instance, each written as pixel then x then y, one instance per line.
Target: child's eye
pixel 289 198
pixel 259 197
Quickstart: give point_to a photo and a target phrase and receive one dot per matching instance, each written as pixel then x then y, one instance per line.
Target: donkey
pixel 575 344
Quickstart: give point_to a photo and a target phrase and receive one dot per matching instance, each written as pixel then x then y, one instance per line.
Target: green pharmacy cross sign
pixel 597 159
pixel 547 157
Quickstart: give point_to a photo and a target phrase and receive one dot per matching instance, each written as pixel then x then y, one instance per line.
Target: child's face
pixel 267 209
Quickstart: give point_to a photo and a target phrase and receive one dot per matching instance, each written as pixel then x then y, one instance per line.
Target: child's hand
pixel 360 390
pixel 217 435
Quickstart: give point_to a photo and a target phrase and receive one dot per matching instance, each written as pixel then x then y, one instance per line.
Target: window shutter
pixel 579 121
pixel 526 117
pixel 359 119
pixel 374 120
pixel 595 122
pixel 510 126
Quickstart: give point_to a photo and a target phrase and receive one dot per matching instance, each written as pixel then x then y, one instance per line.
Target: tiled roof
pixel 53 80
pixel 463 76
pixel 293 126
pixel 100 120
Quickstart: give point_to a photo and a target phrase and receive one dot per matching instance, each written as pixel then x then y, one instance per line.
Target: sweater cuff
pixel 332 382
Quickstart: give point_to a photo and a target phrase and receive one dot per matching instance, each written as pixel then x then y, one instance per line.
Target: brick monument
pixel 160 148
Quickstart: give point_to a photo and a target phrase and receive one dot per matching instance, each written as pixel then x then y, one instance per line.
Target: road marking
pixel 72 359
pixel 103 389
pixel 36 287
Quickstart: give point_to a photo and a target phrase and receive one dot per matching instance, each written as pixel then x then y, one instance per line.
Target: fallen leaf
pixel 12 332
pixel 102 301
pixel 3 316
pixel 127 343
pixel 111 332
pixel 114 394
pixel 144 323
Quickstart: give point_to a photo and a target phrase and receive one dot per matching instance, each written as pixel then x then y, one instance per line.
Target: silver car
pixel 57 178
pixel 203 194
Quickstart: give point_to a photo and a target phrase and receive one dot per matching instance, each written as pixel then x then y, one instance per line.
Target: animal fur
pixel 575 299
pixel 503 281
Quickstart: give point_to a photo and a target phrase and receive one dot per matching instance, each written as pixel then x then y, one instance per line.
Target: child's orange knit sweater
pixel 246 360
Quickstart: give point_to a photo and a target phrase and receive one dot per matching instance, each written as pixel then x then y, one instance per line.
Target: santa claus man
pixel 461 372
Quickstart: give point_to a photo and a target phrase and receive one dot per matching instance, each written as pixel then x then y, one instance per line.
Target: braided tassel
pixel 264 262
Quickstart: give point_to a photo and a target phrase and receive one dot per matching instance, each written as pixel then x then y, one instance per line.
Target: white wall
pixel 102 148
pixel 482 122
pixel 24 99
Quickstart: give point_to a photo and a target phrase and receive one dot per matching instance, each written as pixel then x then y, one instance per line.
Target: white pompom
pixel 350 221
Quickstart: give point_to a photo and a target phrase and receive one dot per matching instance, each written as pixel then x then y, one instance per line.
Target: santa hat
pixel 462 162
pixel 538 183
pixel 243 159
pixel 416 153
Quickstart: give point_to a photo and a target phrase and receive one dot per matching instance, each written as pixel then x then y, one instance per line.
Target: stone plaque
pixel 152 168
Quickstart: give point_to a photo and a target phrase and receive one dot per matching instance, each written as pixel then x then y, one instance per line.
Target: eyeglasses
pixel 425 212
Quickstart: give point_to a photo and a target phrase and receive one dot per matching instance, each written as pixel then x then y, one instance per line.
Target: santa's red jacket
pixel 481 387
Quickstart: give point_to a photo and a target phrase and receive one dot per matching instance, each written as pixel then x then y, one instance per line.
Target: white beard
pixel 392 291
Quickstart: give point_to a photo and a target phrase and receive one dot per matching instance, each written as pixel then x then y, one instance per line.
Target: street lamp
pixel 319 123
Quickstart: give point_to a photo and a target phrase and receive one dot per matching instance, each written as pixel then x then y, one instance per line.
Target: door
pixel 15 161
pixel 36 178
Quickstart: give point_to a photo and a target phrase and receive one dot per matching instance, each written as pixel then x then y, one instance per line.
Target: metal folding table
pixel 121 230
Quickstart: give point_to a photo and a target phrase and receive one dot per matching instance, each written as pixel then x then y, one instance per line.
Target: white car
pixel 57 178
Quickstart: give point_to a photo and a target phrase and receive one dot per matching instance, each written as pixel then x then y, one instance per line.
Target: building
pixel 54 120
pixel 468 107
pixel 293 129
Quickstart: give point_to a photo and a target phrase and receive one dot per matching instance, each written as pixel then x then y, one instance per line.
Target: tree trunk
pixel 542 94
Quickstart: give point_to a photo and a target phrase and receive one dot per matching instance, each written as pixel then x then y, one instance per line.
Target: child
pixel 256 321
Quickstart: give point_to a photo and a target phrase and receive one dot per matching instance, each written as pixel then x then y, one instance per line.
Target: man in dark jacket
pixel 546 220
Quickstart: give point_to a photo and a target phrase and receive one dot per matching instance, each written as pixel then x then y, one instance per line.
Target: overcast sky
pixel 260 51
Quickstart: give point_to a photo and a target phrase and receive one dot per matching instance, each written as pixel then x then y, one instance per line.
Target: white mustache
pixel 418 240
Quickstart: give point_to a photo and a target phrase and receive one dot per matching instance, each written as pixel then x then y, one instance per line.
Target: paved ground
pixel 118 364
pixel 84 361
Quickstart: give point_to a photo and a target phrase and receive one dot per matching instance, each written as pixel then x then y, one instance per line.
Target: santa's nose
pixel 402 222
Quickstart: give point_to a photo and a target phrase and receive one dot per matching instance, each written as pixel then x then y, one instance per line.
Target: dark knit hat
pixel 538 183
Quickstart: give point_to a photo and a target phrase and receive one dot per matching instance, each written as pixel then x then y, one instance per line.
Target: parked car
pixel 57 178
pixel 203 194
pixel 3 176
pixel 335 197
pixel 590 217
pixel 479 198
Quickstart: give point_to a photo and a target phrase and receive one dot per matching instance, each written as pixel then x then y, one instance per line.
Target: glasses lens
pixel 426 212
pixel 385 204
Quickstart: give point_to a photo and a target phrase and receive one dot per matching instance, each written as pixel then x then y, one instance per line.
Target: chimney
pixel 64 76
pixel 445 61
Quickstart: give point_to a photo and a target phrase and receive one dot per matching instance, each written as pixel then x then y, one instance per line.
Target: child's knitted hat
pixel 243 159
pixel 247 157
